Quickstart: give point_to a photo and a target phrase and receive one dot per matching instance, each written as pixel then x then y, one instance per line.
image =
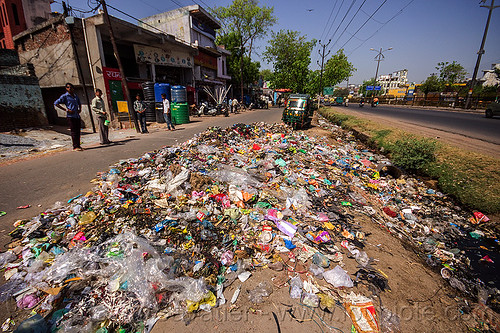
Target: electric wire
pixel 340 24
pixel 348 24
pixel 336 15
pixel 392 18
pixel 329 17
pixel 375 12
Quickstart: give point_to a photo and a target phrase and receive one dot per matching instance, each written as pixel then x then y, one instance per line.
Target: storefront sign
pixel 157 56
pixel 206 60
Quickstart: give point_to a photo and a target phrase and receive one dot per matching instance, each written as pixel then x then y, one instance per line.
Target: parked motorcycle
pixel 208 110
pixel 195 111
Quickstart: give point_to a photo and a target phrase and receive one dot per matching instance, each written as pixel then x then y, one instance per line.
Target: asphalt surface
pixel 472 125
pixel 42 181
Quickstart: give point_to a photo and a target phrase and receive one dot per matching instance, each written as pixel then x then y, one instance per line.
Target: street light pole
pixel 378 58
pixel 480 53
pixel 322 54
pixel 130 105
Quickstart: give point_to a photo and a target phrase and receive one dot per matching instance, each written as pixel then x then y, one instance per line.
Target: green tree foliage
pixel 313 82
pixel 243 22
pixel 266 74
pixel 246 20
pixel 370 82
pixel 431 84
pixel 290 54
pixel 250 68
pixel 342 92
pixel 451 73
pixel 337 69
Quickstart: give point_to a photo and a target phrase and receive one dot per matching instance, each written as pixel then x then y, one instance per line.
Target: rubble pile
pixel 166 233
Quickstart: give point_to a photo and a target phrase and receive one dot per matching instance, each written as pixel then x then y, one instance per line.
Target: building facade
pixel 18 15
pixel 395 80
pixel 195 26
pixel 146 57
pixel 21 104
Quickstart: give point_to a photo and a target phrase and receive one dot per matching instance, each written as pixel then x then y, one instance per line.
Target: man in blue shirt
pixel 70 103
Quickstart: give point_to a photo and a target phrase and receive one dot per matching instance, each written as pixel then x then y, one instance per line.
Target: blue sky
pixel 424 33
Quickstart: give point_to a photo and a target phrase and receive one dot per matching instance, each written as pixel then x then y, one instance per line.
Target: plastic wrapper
pixel 263 289
pixel 7 257
pixel 338 277
pixel 310 299
pixel 295 287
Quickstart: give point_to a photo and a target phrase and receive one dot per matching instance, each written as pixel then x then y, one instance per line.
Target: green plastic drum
pixel 180 113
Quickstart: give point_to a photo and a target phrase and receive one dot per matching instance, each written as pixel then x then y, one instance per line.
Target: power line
pixel 364 23
pixel 348 10
pixel 348 23
pixel 336 15
pixel 392 18
pixel 329 17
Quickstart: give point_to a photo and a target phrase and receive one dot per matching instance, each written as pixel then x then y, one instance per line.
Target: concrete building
pixel 394 80
pixel 21 104
pixel 491 77
pixel 195 26
pixel 145 56
pixel 19 15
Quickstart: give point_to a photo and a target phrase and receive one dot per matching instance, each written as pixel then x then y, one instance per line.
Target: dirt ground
pixel 420 297
pixel 462 141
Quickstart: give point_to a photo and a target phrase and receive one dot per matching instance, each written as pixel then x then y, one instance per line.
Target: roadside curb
pixel 435 108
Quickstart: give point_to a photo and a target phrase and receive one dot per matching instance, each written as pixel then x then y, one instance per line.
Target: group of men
pixel 70 103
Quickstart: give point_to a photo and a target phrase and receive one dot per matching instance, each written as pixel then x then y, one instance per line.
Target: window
pixel 223 68
pixel 16 16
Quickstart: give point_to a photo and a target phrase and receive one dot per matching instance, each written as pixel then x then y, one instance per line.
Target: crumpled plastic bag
pixel 338 277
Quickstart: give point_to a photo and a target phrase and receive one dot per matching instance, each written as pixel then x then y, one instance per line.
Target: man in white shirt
pixel 167 113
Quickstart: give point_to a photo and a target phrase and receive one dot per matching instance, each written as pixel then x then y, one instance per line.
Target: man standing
pixel 99 108
pixel 167 113
pixel 140 109
pixel 231 105
pixel 70 103
pixel 235 105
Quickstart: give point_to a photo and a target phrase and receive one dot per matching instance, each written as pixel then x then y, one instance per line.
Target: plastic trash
pixel 34 324
pixel 262 290
pixel 309 299
pixel 320 260
pixel 338 277
pixel 295 287
pixel 6 257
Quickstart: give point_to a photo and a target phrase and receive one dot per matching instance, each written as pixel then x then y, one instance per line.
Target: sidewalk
pixel 42 140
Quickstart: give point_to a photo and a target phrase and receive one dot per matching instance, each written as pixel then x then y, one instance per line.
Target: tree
pixel 451 73
pixel 337 69
pixel 266 74
pixel 342 92
pixel 290 54
pixel 370 82
pixel 431 84
pixel 247 22
pixel 313 82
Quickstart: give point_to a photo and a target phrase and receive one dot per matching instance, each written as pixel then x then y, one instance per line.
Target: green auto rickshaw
pixel 298 112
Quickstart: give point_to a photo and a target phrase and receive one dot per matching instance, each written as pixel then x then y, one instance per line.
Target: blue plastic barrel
pixel 162 88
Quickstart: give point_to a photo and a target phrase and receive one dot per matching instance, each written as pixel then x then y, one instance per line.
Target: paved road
pixel 47 179
pixel 471 125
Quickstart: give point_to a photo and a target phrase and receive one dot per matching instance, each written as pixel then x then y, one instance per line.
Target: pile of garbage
pixel 164 234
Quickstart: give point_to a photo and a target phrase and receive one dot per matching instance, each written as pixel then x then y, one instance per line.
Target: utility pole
pixel 378 58
pixel 78 65
pixel 323 55
pixel 120 67
pixel 468 102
